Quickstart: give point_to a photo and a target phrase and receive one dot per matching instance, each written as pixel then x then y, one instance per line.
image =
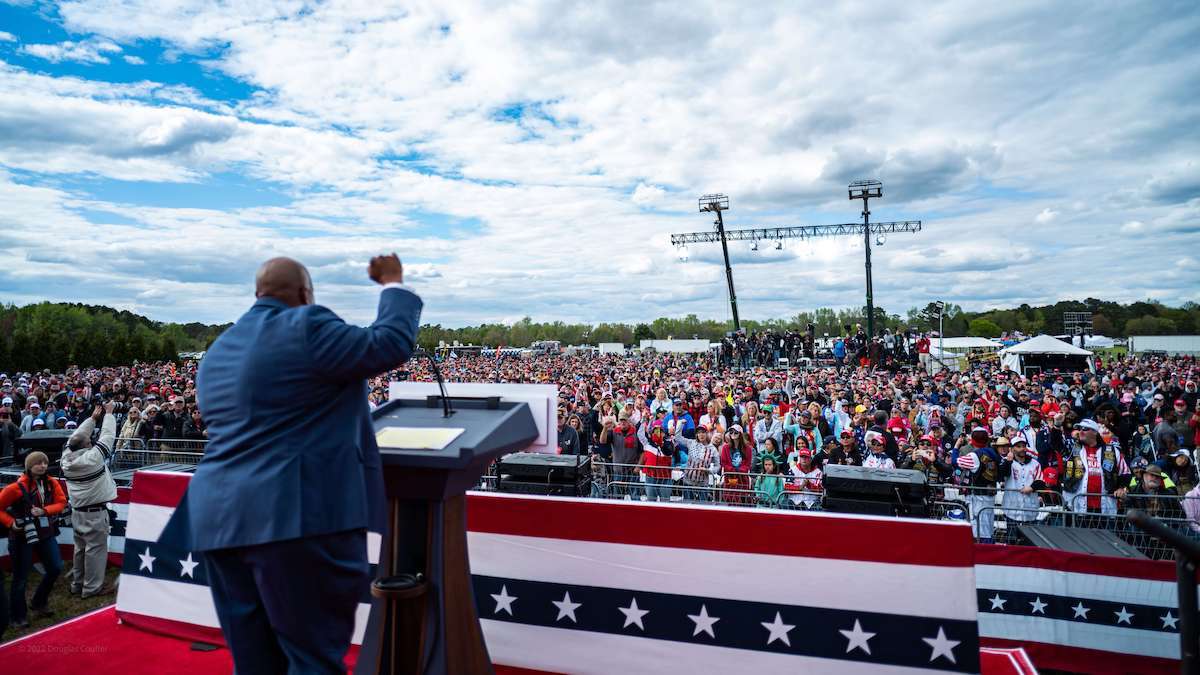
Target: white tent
pixel 1045 352
pixel 964 343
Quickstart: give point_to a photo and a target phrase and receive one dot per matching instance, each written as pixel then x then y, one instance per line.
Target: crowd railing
pixel 134 453
pixel 983 507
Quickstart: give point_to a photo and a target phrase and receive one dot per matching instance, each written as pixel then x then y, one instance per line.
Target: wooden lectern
pixel 423 618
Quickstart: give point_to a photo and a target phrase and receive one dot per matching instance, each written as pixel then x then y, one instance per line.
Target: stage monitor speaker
pixel 1078 540
pixel 521 487
pixel 875 507
pixel 544 468
pixel 49 441
pixel 888 484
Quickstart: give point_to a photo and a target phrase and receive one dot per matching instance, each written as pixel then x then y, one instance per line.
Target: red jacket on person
pixel 12 495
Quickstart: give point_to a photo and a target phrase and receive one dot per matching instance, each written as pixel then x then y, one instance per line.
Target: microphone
pixel 447 411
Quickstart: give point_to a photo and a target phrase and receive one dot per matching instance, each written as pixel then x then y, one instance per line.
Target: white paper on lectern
pixel 542 400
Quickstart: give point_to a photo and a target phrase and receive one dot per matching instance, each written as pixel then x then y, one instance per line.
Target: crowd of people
pixel 733 425
pixel 715 426
pixel 103 410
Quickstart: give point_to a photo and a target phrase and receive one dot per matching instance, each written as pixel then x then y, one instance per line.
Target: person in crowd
pixel 29 509
pixel 977 471
pixel 174 417
pixel 703 464
pixel 194 428
pixel 736 459
pixel 129 438
pixel 655 464
pixel 1022 477
pixel 9 432
pixel 626 447
pixel 877 457
pixel 32 413
pixel 1156 494
pixel 769 485
pixel 1181 470
pixel 576 424
pixel 568 437
pixel 1095 475
pixel 806 476
pixel 152 430
pixel 91 489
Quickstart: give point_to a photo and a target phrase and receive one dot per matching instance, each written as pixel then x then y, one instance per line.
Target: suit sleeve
pixel 344 353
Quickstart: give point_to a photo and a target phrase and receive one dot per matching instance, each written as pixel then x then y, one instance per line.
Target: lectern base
pixel 424 620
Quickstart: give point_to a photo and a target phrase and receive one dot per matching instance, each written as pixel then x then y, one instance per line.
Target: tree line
pixel 55 335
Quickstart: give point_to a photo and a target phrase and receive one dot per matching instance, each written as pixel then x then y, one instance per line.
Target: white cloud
pixel 1046 217
pixel 647 195
pixel 87 51
pixel 7 37
pixel 134 60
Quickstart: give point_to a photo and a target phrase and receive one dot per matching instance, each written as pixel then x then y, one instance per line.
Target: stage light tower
pixel 866 190
pixel 717 203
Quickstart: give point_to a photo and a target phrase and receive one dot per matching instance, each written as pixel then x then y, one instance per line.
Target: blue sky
pixel 533 159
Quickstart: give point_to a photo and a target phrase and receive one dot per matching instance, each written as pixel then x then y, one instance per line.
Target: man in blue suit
pixel 280 502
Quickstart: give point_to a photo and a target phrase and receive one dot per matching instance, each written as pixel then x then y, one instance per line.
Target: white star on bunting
pixel 187 567
pixel 1169 620
pixel 858 638
pixel 504 601
pixel 566 607
pixel 147 561
pixel 633 615
pixel 1039 607
pixel 1124 616
pixel 779 630
pixel 942 646
pixel 997 602
pixel 1081 611
pixel 704 622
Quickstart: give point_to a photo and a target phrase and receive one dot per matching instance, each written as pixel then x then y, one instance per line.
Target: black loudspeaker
pixel 863 483
pixel 541 467
pixel 876 507
pixel 1077 540
pixel 521 487
pixel 532 473
pixel 50 441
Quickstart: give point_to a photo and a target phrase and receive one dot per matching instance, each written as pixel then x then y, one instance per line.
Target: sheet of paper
pixel 421 438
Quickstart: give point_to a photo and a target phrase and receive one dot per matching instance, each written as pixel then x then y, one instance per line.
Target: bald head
pixel 285 280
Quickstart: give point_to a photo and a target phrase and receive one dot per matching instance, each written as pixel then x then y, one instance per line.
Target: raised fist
pixel 386 269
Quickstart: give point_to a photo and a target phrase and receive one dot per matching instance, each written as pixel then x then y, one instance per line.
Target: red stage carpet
pixel 97 645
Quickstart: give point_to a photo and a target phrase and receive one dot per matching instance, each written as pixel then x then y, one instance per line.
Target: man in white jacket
pixel 90 487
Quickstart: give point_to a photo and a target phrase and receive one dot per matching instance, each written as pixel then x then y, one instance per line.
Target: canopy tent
pixel 964 343
pixel 1045 352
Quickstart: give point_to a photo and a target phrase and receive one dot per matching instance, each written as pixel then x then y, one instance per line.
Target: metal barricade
pixel 130 443
pixel 177 445
pixel 124 460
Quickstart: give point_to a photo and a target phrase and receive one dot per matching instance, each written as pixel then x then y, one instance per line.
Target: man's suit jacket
pixel 291 449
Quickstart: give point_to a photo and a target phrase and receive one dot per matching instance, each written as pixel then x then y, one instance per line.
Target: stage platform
pixel 98 644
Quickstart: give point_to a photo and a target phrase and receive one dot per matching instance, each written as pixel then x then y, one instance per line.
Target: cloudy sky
pixel 532 158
